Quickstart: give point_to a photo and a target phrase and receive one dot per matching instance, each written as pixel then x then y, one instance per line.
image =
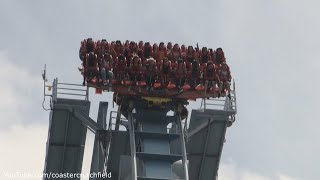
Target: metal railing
pixel 62 90
pixel 227 103
pixel 111 127
pixel 113 119
pixel 65 90
pixel 73 91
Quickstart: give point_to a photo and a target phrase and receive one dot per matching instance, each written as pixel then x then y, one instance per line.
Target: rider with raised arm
pixel 195 73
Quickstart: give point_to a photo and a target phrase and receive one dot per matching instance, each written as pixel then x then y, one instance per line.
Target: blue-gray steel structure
pixel 66 137
pixel 144 143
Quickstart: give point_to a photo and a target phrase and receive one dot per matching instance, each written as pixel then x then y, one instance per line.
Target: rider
pixel 225 77
pixel 113 44
pixel 195 72
pixel 102 48
pixel 150 71
pixel 140 45
pixel 105 66
pixel 190 56
pixel 91 69
pixel 183 52
pixel 162 52
pixel 126 44
pixel 169 47
pixel 83 50
pixel 165 72
pixel 212 55
pixel 147 51
pixel 204 56
pixel 175 53
pixel 210 75
pixel 119 49
pixel 128 52
pixel 180 73
pixel 155 49
pixel 219 56
pixel 90 45
pixel 82 56
pixel 120 68
pixel 135 71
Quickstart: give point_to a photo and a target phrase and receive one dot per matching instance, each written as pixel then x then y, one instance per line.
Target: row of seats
pixel 102 60
pixel 145 50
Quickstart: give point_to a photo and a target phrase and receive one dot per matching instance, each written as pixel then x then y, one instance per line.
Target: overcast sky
pixel 271 46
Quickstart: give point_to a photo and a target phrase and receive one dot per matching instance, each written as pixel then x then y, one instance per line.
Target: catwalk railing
pixel 227 103
pixel 65 90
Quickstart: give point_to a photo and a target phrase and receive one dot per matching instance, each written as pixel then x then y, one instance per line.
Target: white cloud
pixel 231 171
pixel 22 131
pixel 22 150
pixel 285 177
pixel 20 94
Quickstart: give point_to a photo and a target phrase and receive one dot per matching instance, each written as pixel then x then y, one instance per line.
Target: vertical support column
pixel 87 94
pixel 118 118
pixel 133 147
pixel 205 149
pixel 55 90
pixel 65 142
pixel 183 148
pixel 97 162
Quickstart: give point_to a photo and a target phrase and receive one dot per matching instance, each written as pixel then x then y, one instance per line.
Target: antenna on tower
pixel 45 79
